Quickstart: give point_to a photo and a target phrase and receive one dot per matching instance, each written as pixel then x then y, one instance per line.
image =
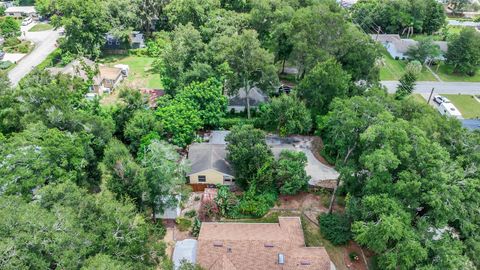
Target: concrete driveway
pixel 315 169
pixel 45 43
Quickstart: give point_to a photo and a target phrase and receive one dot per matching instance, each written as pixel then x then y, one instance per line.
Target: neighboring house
pixel 209 166
pixel 185 250
pixel 347 3
pixel 398 47
pixel 21 12
pixel 6 4
pixel 471 124
pixel 255 246
pixel 107 79
pixel 238 102
pixel 75 68
pixel 104 81
pixel 117 45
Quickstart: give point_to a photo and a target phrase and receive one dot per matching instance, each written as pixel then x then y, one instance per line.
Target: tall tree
pixel 165 174
pixel 286 115
pixel 290 171
pixel 408 79
pixel 208 100
pixel 322 84
pixel 424 51
pixel 251 65
pixel 195 12
pixel 248 152
pixel 435 17
pixel 463 53
pixel 85 23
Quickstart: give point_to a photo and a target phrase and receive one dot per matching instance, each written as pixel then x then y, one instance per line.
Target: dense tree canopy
pixel 464 53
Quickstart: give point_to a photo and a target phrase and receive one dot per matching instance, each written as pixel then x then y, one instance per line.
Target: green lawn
pixel 419 98
pixel 41 27
pixel 141 74
pixel 394 69
pixel 446 74
pixel 466 104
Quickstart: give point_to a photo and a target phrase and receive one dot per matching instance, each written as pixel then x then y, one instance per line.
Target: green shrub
pixel 353 256
pixel 227 123
pixel 183 224
pixel 226 201
pixel 256 205
pixel 11 41
pixel 23 47
pixel 138 52
pixel 5 64
pixel 196 227
pixel 335 228
pixel 191 213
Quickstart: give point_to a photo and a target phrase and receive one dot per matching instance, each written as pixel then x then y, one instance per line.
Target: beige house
pixel 209 165
pixel 258 246
pixel 105 80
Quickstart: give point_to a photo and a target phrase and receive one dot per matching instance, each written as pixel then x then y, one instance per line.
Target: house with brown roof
pixel 232 246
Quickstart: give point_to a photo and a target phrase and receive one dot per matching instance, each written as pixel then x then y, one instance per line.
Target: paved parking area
pixel 315 169
pixel 13 57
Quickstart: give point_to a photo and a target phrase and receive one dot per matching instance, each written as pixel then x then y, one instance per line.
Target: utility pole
pixel 430 97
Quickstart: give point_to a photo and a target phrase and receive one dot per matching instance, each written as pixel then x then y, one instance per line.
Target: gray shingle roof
pixel 204 156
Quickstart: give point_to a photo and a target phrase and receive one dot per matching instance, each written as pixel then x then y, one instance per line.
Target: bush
pixel 139 52
pixel 335 228
pixel 23 47
pixel 226 201
pixel 196 227
pixel 183 224
pixel 11 41
pixel 255 205
pixel 353 256
pixel 191 213
pixel 227 123
pixel 5 64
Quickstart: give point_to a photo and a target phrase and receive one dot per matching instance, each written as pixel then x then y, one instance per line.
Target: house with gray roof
pixel 238 102
pixel 209 165
pixel 398 47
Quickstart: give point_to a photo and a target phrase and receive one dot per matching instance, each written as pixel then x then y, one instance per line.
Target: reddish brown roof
pixel 257 246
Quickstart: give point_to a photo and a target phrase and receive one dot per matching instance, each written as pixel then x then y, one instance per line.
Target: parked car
pixel 27 21
pixel 439 99
pixel 2 54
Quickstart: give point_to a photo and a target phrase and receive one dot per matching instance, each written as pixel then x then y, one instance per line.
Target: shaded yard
pixel 141 73
pixel 466 104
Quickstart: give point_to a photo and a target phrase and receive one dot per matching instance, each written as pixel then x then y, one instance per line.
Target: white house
pixel 21 12
pixel 398 47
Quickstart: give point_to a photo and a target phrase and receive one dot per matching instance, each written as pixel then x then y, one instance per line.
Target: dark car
pixel 284 89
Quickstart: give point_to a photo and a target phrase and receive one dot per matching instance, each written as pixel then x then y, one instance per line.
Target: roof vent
pixel 305 262
pixel 229 250
pixel 217 244
pixel 281 258
pixel 268 245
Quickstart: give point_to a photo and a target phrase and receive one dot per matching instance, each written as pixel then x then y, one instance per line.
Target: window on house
pixel 227 179
pixel 202 178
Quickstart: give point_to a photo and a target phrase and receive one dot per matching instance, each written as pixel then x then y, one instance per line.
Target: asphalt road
pixel 45 43
pixel 424 88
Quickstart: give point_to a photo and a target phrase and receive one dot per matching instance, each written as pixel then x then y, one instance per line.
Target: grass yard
pixel 419 98
pixel 394 69
pixel 41 27
pixel 445 72
pixel 141 74
pixel 466 104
